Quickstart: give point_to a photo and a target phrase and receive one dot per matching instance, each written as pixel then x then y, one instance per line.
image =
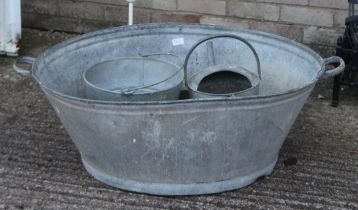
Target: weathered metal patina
pixel 180 147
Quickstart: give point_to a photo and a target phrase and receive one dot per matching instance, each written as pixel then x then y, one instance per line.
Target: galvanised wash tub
pixel 180 147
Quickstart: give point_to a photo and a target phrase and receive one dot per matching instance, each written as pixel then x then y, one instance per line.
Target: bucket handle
pixel 185 66
pixel 23 60
pixel 333 72
pixel 153 54
pixel 130 91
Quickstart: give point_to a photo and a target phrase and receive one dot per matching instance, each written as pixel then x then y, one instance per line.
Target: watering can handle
pixel 24 60
pixel 333 72
pixel 185 66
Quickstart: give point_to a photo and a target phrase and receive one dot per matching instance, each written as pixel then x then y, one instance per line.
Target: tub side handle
pixel 335 71
pixel 23 60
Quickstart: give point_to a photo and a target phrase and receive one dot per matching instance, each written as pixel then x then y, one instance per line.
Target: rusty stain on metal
pixel 18 41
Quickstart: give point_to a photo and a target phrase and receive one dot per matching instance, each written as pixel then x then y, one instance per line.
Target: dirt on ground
pixel 40 168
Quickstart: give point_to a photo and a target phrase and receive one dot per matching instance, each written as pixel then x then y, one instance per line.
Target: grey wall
pixel 314 22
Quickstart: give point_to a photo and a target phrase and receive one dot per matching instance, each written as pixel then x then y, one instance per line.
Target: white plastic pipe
pixel 130 11
pixel 10 26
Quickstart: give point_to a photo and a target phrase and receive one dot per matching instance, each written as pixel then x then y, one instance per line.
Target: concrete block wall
pixel 317 23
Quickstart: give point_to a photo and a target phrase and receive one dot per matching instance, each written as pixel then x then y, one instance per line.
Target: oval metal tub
pixel 183 147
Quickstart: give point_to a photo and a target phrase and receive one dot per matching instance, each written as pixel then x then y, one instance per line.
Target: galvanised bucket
pixel 133 79
pixel 194 80
pixel 181 147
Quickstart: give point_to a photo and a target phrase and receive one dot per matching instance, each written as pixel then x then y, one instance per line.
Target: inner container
pixel 224 79
pixel 133 79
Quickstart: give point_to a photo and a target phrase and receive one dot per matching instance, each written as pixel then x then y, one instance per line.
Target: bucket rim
pixel 138 27
pixel 174 66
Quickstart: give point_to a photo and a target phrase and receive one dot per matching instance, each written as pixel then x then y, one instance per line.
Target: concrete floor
pixel 40 167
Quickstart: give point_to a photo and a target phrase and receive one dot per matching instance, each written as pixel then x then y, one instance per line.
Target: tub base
pixel 177 189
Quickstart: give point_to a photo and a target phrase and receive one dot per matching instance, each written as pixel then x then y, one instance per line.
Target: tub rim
pixel 286 94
